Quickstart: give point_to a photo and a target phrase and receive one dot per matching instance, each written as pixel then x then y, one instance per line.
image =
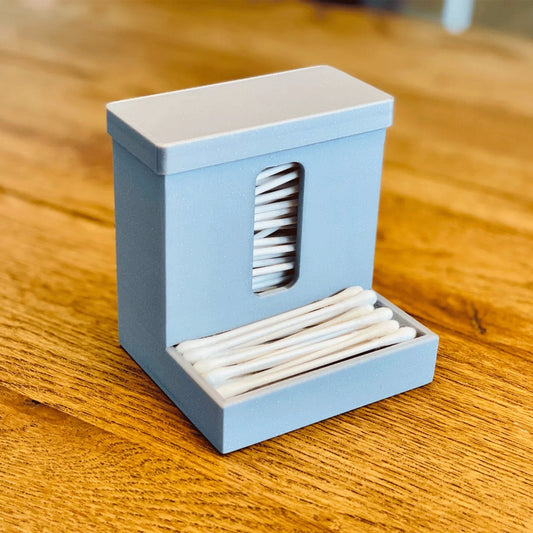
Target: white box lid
pixel 204 126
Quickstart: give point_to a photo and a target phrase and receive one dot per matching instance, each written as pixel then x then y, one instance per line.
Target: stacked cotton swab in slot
pixel 324 332
pixel 275 226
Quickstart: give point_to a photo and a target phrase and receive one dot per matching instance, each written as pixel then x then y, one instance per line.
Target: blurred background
pixel 506 15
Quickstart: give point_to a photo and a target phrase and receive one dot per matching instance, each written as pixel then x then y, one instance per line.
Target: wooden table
pixel 89 443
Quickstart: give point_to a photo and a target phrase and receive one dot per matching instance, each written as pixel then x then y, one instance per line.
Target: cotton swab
pixel 217 376
pixel 270 282
pixel 268 172
pixel 274 241
pixel 263 234
pixel 318 334
pixel 275 268
pixel 277 223
pixel 275 182
pixel 276 195
pixel 271 321
pixel 372 333
pixel 277 329
pixel 284 328
pixel 354 319
pixel 270 261
pixel 275 207
pixel 274 251
pixel 274 213
pixel 245 384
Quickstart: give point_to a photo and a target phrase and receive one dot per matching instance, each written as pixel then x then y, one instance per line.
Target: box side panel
pixel 330 392
pixel 139 216
pixel 139 210
pixel 209 235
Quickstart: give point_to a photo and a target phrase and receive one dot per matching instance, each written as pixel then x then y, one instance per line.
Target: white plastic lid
pixel 204 126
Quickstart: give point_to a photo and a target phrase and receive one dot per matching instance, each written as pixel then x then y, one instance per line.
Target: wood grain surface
pixel 89 443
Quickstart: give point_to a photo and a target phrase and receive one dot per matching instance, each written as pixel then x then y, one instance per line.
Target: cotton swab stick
pixel 274 241
pixel 406 333
pixel 372 333
pixel 274 182
pixel 270 281
pixel 273 268
pixel 264 233
pixel 269 197
pixel 268 322
pixel 274 214
pixel 270 278
pixel 268 172
pixel 245 384
pixel 354 319
pixel 270 208
pixel 269 261
pixel 298 354
pixel 277 223
pixel 234 336
pixel 266 331
pixel 280 329
pixel 356 312
pixel 274 251
pixel 357 318
pixel 321 349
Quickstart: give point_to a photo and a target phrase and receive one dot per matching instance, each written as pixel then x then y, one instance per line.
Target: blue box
pixel 185 168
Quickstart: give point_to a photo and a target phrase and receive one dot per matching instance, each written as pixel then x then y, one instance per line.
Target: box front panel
pixel 209 223
pixel 330 391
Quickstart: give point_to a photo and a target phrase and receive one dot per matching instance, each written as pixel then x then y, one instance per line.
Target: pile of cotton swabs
pixel 275 224
pixel 285 345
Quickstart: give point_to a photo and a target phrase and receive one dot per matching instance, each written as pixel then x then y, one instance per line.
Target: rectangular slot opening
pixel 276 226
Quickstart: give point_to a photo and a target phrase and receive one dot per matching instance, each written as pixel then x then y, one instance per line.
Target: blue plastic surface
pixel 185 242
